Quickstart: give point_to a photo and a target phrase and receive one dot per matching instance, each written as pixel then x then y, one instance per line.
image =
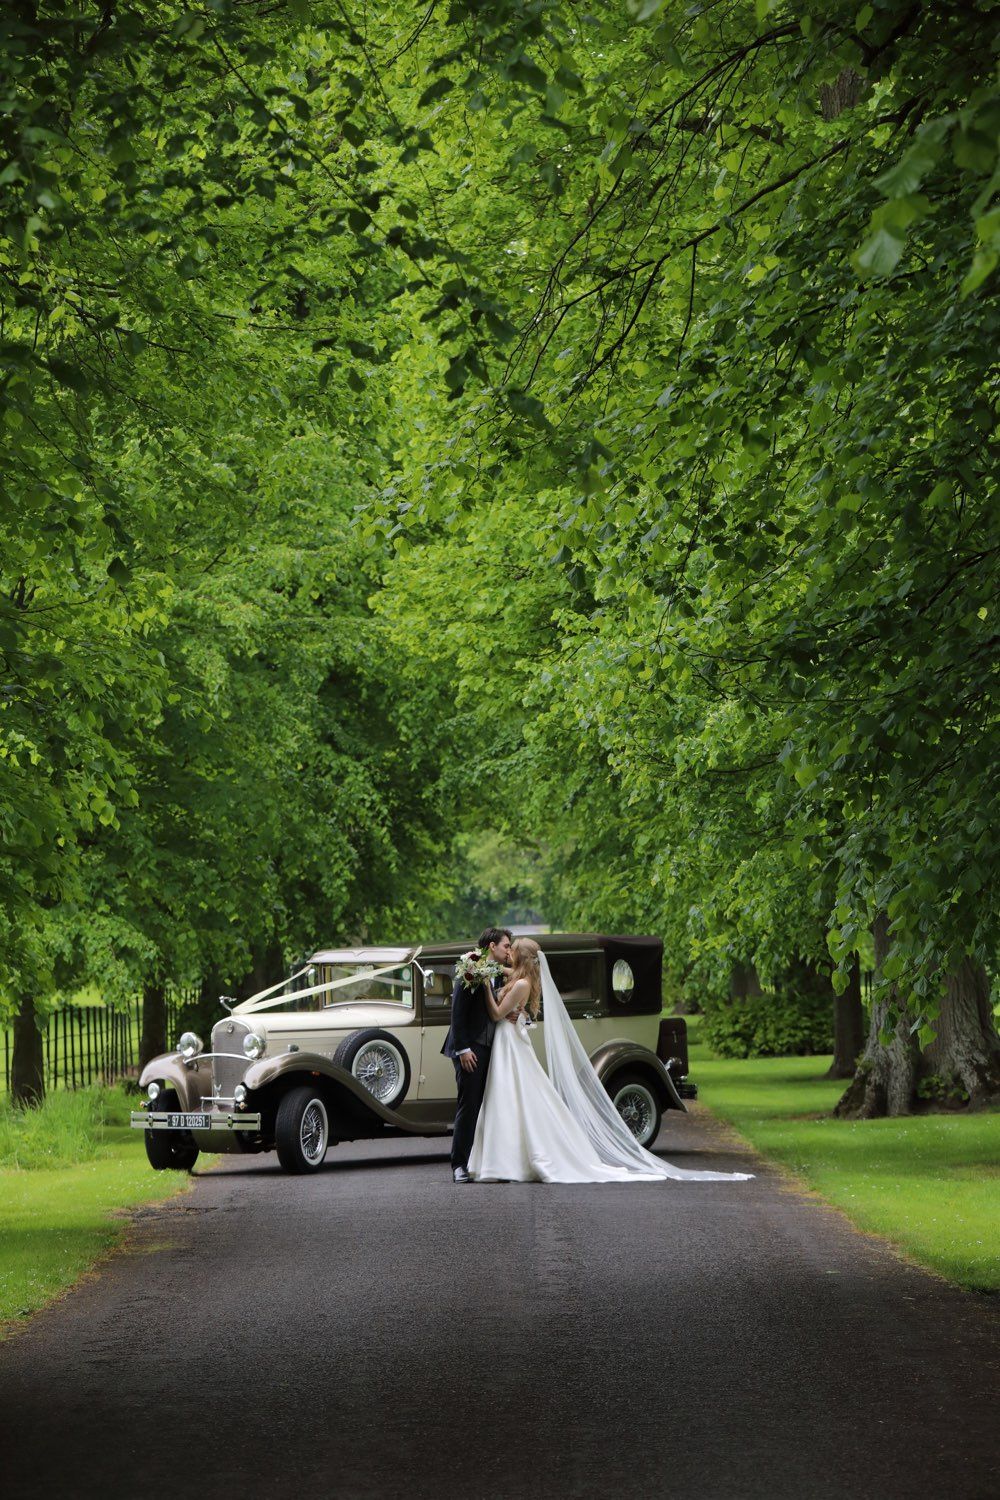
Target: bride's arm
pixel 512 1000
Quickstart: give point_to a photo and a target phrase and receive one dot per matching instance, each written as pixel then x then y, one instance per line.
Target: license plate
pixel 188 1122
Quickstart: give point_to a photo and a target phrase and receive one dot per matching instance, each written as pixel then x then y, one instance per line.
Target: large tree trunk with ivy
pixel 965 1052
pixel 885 1080
pixel 27 1070
pixel 153 1040
pixel 848 1027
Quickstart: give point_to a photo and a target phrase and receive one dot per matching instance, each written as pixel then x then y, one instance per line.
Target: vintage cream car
pixel 350 1048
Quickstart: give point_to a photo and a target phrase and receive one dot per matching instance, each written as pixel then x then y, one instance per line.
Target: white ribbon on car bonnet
pixel 259 1001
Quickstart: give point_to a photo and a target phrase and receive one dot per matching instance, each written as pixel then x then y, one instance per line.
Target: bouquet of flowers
pixel 477 968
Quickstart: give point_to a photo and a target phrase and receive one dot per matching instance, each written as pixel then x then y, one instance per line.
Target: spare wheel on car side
pixel 379 1062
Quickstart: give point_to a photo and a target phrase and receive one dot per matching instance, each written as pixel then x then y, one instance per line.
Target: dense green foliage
pixel 209 749
pixel 577 422
pixel 784 1023
pixel 741 477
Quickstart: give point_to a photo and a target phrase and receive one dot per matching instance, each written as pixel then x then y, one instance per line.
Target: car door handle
pixel 591 1015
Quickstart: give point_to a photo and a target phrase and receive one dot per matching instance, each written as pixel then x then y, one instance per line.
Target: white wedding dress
pixel 560 1125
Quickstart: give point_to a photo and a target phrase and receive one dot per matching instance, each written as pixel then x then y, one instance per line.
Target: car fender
pixel 349 1092
pixel 171 1068
pixel 611 1056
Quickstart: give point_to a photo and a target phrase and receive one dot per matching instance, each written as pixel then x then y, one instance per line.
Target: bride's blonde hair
pixel 524 952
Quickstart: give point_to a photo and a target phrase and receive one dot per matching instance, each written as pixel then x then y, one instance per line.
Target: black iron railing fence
pixel 84 1044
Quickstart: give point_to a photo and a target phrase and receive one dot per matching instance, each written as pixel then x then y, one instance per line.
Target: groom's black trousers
pixel 470 1102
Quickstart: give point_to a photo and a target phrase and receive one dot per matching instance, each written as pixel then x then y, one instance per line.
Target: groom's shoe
pixel 461 1175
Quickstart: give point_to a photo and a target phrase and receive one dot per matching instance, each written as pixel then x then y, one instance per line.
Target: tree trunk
pixel 153 1039
pixel 966 1048
pixel 886 1077
pixel 268 968
pixel 744 981
pixel 27 1067
pixel 848 1026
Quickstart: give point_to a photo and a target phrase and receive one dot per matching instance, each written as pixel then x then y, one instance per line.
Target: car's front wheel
pixel 170 1149
pixel 301 1131
pixel 635 1100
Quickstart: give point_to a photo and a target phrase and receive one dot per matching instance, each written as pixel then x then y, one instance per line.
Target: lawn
pixel 930 1184
pixel 63 1171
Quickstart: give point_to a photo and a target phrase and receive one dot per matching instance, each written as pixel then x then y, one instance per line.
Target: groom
pixel 468 1043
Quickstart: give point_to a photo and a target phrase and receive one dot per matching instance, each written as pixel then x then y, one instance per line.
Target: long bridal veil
pixel 581 1090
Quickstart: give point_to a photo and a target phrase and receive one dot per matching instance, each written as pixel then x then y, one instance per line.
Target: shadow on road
pixel 696 1160
pixel 332 1164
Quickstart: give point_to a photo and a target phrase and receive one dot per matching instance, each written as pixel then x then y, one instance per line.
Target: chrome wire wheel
pixel 379 1066
pixel 301 1130
pixel 314 1131
pixel 637 1107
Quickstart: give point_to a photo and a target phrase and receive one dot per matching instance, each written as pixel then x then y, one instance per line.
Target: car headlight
pixel 240 1094
pixel 153 1090
pixel 253 1045
pixel 189 1045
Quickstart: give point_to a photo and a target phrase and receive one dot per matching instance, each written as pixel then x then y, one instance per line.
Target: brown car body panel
pixel 170 1068
pixel 310 1064
pixel 612 1057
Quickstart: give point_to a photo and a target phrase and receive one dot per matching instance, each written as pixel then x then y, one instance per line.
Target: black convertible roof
pixel 555 942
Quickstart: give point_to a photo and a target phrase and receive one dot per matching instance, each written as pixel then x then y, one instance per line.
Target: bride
pixel 558 1126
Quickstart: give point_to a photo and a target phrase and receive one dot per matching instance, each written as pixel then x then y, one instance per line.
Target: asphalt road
pixel 376 1331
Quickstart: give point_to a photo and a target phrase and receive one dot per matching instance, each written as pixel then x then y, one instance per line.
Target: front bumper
pixel 152 1119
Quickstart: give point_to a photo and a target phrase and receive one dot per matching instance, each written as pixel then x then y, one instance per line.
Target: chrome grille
pixel 229 1063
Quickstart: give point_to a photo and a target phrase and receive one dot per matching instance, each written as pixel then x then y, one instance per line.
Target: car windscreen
pixel 357 987
pixel 395 987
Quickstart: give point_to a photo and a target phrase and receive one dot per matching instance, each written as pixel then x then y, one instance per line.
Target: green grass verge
pixel 930 1183
pixel 64 1169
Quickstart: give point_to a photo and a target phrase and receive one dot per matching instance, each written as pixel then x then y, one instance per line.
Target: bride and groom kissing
pixel 517 1121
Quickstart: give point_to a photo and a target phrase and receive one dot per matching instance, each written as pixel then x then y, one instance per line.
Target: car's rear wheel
pixel 635 1099
pixel 169 1149
pixel 301 1131
pixel 379 1062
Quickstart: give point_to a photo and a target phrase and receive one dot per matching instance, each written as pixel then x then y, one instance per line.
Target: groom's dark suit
pixel 471 1027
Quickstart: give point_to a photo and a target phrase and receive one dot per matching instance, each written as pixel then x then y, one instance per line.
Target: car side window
pixel 578 979
pixel 438 981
